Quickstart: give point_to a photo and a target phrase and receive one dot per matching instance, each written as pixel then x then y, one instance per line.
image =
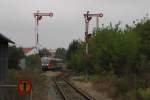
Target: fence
pixel 9 92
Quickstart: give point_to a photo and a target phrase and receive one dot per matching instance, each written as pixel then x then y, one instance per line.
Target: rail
pixel 71 92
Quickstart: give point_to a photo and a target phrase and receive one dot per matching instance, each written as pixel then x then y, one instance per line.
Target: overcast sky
pixel 17 21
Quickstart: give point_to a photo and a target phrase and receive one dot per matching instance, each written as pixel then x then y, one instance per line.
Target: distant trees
pixel 60 53
pixel 74 55
pixel 73 48
pixel 44 52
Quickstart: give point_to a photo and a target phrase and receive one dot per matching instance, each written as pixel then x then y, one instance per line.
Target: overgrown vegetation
pixel 31 72
pixel 33 62
pixel 120 57
pixel 39 81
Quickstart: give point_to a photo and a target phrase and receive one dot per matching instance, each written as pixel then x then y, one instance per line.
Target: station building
pixel 4 42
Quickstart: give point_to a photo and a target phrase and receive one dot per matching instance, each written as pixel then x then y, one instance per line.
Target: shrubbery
pixel 33 62
pixel 124 53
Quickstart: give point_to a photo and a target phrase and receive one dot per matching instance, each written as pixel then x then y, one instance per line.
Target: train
pixel 48 63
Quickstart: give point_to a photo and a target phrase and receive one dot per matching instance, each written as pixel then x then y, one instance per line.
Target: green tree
pixel 73 48
pixel 60 53
pixel 114 49
pixel 44 52
pixel 15 54
pixel 143 68
pixel 33 62
pixel 122 53
pixel 143 30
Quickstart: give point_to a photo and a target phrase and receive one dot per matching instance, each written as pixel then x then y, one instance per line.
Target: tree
pixel 33 61
pixel 15 54
pixel 60 53
pixel 143 30
pixel 121 53
pixel 44 52
pixel 143 66
pixel 73 47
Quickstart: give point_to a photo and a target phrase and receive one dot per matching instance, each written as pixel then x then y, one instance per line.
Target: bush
pixel 125 53
pixel 144 94
pixel 33 62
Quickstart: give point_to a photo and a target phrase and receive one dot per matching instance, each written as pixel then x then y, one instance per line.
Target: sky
pixel 17 20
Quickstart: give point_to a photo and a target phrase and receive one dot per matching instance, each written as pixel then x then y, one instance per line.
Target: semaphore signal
pixel 88 17
pixel 38 16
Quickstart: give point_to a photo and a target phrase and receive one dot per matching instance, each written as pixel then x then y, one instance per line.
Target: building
pixel 30 51
pixel 27 52
pixel 52 52
pixel 4 41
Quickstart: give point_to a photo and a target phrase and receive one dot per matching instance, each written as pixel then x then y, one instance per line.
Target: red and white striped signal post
pixel 88 17
pixel 38 16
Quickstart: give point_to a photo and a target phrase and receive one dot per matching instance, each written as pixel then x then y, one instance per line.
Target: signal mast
pixel 38 16
pixel 88 17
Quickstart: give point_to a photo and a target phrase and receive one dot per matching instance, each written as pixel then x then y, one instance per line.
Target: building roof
pixel 52 50
pixel 26 50
pixel 5 38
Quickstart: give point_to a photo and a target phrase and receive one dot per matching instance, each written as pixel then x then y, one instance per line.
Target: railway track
pixel 70 92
